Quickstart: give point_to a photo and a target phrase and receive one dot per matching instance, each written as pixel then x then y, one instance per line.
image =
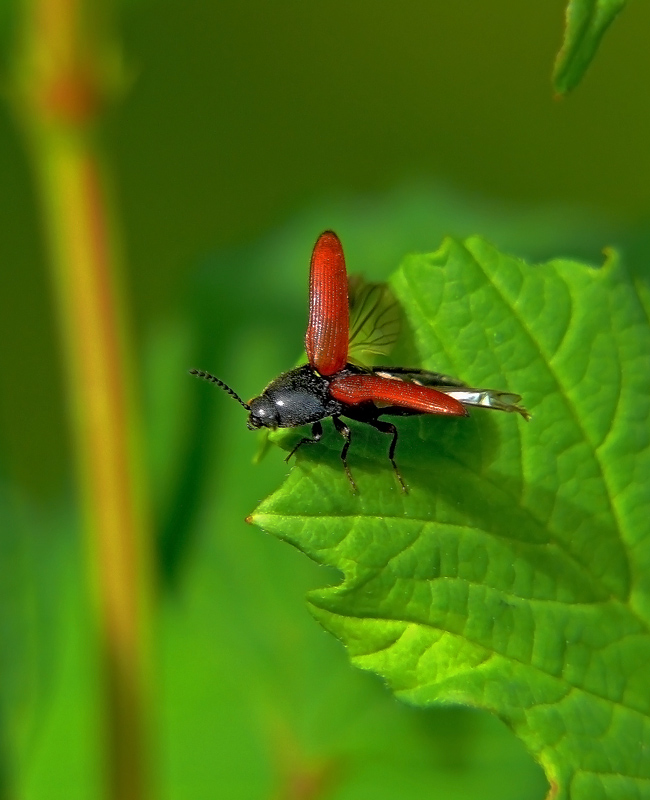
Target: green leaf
pixel 586 23
pixel 514 576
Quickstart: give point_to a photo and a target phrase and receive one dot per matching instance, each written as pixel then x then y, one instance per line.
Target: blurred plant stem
pixel 65 69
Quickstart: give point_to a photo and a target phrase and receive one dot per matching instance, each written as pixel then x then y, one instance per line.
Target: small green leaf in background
pixel 514 576
pixel 586 23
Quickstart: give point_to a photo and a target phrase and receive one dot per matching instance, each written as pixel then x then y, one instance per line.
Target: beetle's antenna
pixel 206 376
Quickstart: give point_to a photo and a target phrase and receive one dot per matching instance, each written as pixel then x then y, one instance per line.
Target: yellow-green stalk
pixel 65 70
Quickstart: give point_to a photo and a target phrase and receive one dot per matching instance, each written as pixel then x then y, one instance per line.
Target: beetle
pixel 331 385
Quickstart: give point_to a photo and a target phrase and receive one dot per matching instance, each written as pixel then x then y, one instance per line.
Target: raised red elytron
pixel 331 386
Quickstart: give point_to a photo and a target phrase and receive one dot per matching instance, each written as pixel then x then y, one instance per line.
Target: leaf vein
pixel 569 404
pixel 561 680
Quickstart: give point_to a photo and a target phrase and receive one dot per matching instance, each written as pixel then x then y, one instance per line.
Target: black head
pixel 264 413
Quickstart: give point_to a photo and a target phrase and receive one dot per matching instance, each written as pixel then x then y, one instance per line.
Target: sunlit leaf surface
pixel 514 575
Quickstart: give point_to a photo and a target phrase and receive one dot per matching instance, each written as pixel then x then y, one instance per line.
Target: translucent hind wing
pixel 467 395
pixel 487 398
pixel 375 320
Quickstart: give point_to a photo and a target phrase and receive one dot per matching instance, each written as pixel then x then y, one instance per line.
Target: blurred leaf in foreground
pixel 514 576
pixel 586 23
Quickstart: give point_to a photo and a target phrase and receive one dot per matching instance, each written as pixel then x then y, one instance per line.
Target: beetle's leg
pixel 346 433
pixel 388 427
pixel 316 434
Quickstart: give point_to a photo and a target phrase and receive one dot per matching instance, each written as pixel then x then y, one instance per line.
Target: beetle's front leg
pixel 316 435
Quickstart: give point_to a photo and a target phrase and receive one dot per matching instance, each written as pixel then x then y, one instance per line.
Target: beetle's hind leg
pixel 346 433
pixel 388 427
pixel 316 435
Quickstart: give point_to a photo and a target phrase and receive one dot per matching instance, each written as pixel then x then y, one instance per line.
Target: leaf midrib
pixel 547 362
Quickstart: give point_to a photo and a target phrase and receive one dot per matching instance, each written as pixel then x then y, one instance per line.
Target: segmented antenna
pixel 206 376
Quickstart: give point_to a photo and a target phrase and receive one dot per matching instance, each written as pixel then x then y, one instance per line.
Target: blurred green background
pixel 244 130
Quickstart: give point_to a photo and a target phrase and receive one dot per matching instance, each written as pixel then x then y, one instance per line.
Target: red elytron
pixel 331 386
